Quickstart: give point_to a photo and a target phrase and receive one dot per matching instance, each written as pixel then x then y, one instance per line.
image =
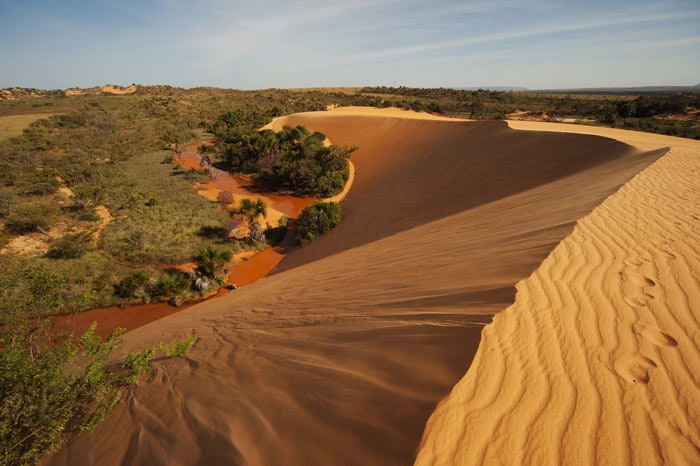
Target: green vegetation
pixel 32 216
pixel 53 385
pixel 315 220
pixel 50 390
pixel 211 261
pixel 158 216
pixel 179 348
pixel 293 159
pixel 71 246
pixel 249 211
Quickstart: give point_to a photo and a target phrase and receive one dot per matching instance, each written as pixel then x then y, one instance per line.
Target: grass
pixel 13 125
pixel 159 217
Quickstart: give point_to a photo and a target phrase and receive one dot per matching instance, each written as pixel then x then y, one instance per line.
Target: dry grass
pixel 14 124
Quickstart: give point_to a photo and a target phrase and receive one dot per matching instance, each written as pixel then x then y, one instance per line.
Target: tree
pixel 315 220
pixel 250 211
pixel 625 109
pixel 211 260
pixel 206 151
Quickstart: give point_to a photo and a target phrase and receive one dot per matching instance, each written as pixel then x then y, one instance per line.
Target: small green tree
pixel 250 211
pixel 315 220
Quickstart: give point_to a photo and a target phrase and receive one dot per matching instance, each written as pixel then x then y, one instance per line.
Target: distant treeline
pixel 673 113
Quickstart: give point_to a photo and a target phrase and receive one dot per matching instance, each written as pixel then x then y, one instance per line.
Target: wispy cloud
pixel 610 21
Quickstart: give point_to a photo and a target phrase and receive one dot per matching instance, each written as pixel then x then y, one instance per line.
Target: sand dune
pixel 342 356
pixel 596 361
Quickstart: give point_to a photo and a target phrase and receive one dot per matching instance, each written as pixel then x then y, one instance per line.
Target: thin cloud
pixel 529 32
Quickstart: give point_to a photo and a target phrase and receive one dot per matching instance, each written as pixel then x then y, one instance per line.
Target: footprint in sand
pixel 639 279
pixel 634 368
pixel 655 335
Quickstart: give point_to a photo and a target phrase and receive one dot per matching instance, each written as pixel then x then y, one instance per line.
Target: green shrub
pixel 42 182
pixel 317 219
pixel 49 387
pixel 32 216
pixel 71 246
pixel 179 348
pixel 132 286
pixel 137 363
pixel 211 260
pixel 171 284
pixel 46 287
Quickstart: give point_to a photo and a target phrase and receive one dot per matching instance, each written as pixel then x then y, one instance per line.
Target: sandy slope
pixel 596 361
pixel 341 357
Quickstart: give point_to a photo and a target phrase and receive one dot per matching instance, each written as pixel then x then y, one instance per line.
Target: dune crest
pixel 595 362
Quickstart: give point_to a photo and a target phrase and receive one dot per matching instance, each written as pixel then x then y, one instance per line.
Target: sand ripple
pixel 596 361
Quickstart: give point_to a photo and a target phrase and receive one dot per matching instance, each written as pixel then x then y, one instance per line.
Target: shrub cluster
pixel 292 159
pixel 51 385
pixel 142 285
pixel 315 220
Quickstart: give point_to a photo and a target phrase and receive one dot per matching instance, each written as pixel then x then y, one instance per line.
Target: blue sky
pixel 309 43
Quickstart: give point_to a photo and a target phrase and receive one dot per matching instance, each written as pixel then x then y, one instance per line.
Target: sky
pixel 538 44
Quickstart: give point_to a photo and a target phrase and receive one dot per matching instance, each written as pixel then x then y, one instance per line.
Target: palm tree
pixel 211 260
pixel 250 211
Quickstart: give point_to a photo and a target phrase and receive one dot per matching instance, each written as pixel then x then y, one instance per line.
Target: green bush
pixel 179 348
pixel 32 216
pixel 46 287
pixel 211 260
pixel 50 387
pixel 171 284
pixel 42 182
pixel 315 220
pixel 71 246
pixel 132 286
pixel 293 159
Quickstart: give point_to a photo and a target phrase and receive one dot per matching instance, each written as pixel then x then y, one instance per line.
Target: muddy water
pixel 243 273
